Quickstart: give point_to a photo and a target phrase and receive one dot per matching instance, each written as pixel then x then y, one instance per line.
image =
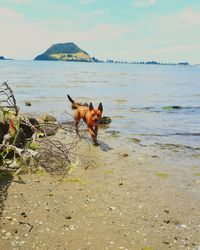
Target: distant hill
pixel 65 52
pixel 4 58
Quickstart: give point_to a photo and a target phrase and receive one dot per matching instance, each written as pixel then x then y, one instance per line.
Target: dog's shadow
pixel 104 147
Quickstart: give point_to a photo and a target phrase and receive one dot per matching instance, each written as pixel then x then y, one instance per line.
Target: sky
pixel 131 30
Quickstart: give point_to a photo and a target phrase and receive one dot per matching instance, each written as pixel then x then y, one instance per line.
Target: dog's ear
pixel 100 107
pixel 91 106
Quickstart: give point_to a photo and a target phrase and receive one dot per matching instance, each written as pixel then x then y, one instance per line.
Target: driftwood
pixel 7 98
pixel 25 144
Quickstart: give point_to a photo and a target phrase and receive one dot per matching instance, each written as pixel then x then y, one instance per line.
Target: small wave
pixel 177 146
pixel 170 134
pixel 166 108
pixel 169 108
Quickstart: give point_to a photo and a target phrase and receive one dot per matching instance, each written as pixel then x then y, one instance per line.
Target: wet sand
pixel 130 197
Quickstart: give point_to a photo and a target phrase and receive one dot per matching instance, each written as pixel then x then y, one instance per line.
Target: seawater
pixel 134 96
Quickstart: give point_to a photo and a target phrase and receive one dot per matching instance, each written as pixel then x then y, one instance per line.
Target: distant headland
pixel 4 58
pixel 70 52
pixel 66 52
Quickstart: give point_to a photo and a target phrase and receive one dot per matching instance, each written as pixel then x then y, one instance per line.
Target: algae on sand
pixel 163 175
pixel 197 174
pixel 74 180
pixel 134 140
pixel 5 176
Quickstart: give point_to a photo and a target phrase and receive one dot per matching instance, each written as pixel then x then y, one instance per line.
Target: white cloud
pixel 163 38
pixel 24 39
pixel 6 13
pixel 167 38
pixel 19 37
pixel 101 32
pixel 143 3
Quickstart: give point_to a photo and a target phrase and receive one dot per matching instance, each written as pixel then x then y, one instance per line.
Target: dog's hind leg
pixel 76 127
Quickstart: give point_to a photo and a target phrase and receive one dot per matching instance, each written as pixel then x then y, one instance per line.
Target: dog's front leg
pixel 96 131
pixel 93 134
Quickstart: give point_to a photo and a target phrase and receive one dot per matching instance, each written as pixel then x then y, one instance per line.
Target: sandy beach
pixel 130 196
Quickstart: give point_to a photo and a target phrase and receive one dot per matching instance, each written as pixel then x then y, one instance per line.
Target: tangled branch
pixel 8 100
pixel 38 149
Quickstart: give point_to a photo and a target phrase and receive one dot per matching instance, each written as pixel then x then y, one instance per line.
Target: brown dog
pixel 89 115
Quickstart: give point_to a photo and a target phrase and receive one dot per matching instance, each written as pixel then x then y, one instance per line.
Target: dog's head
pixel 95 114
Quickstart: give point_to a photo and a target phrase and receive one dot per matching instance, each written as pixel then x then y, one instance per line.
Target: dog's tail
pixel 74 104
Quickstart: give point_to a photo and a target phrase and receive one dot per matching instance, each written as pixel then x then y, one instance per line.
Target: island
pixel 66 52
pixel 4 58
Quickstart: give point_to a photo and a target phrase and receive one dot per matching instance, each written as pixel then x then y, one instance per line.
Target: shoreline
pixel 130 196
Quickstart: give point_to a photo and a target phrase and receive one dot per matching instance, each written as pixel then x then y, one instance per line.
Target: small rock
pixel 105 120
pixel 24 214
pixel 8 234
pixel 166 242
pixel 154 156
pixel 47 130
pixel 166 211
pixel 14 231
pixel 135 140
pixel 47 118
pixel 68 217
pixel 183 226
pixel 112 208
pixel 27 103
pixel 123 154
pixel 14 165
pixel 8 218
pixel 113 133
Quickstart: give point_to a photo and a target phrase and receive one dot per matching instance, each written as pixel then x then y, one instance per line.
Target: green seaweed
pixel 5 176
pixel 108 171
pixel 163 175
pixel 168 108
pixel 120 101
pixel 41 171
pixel 33 145
pixel 194 167
pixel 74 180
pixel 97 164
pixel 197 156
pixel 113 133
pixel 197 174
pixel 134 140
